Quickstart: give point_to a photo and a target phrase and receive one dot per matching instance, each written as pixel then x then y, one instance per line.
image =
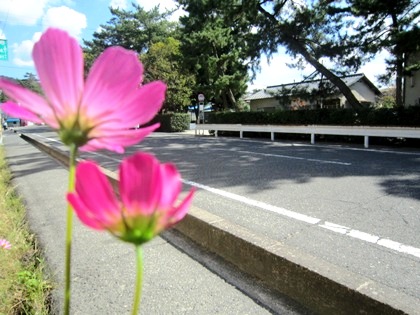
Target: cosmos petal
pixel 25 98
pixel 140 183
pixel 145 105
pixel 114 76
pixel 172 186
pixel 96 192
pixel 14 110
pixel 119 139
pixel 59 62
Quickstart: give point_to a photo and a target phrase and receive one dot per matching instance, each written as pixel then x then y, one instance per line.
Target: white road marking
pixel 364 236
pixel 363 285
pixel 255 203
pixel 295 158
pixel 334 227
pixel 370 150
pixel 356 234
pixel 49 139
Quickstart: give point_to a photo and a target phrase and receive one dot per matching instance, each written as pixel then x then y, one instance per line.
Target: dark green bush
pixel 409 117
pixel 172 122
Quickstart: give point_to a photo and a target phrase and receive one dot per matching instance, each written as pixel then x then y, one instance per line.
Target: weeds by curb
pixel 24 284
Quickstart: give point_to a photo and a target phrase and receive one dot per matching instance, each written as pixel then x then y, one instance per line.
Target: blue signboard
pixel 3 50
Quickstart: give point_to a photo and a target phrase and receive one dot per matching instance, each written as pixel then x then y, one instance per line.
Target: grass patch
pixel 24 286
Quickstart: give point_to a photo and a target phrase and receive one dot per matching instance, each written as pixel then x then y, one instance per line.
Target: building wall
pixel 412 89
pixel 363 93
pixel 266 104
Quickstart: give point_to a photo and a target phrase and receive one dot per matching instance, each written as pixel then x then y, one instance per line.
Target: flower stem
pixel 71 185
pixel 139 278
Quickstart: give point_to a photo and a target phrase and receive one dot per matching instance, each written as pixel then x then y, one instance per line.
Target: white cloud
pixel 118 4
pixel 2 35
pixel 65 18
pixel 23 12
pixel 22 52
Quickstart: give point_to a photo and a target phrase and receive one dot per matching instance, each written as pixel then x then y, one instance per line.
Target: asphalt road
pixel 356 208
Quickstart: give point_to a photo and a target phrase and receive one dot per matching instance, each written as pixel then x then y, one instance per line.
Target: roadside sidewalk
pixel 103 267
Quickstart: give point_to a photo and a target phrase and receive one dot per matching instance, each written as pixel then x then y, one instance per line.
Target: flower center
pixel 75 131
pixel 73 136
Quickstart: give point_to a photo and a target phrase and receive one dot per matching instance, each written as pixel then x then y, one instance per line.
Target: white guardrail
pixel 364 131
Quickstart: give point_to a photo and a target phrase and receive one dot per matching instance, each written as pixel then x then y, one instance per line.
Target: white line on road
pixel 295 158
pixel 255 203
pixel 363 236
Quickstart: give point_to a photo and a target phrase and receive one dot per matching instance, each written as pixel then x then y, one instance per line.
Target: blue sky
pixel 23 21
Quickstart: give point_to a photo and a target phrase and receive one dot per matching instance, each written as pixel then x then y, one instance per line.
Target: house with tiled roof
pixel 313 94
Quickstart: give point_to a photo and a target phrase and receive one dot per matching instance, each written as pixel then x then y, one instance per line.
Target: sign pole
pixel 200 107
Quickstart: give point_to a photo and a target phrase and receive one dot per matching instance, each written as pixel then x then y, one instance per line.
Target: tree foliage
pixel 303 28
pixel 215 48
pixel 136 29
pixel 164 62
pixel 221 40
pixel 153 37
pixel 384 24
pixel 31 82
pixel 346 33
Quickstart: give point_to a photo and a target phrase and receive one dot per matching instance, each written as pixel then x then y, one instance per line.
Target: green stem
pixel 71 186
pixel 139 278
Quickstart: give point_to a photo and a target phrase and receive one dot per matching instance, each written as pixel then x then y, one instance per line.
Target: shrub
pixel 409 117
pixel 172 122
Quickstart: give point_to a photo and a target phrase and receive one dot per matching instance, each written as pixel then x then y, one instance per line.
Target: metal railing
pixel 363 131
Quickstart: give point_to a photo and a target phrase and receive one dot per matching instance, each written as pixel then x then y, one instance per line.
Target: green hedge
pixel 408 117
pixel 172 122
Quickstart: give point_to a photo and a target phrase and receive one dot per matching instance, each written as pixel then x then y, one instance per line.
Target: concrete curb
pixel 314 283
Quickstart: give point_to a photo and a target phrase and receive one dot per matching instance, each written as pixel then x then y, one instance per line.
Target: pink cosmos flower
pixel 93 114
pixel 148 191
pixel 5 244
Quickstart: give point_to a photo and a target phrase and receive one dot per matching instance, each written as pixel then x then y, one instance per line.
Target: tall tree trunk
pixel 399 81
pixel 399 64
pixel 290 40
pixel 344 89
pixel 232 99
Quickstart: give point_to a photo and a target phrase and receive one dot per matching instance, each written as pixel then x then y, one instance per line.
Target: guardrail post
pixel 366 142
pixel 215 133
pixel 312 138
pixel 241 134
pixel 272 136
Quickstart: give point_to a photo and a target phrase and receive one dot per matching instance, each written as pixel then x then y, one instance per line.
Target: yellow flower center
pixel 75 130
